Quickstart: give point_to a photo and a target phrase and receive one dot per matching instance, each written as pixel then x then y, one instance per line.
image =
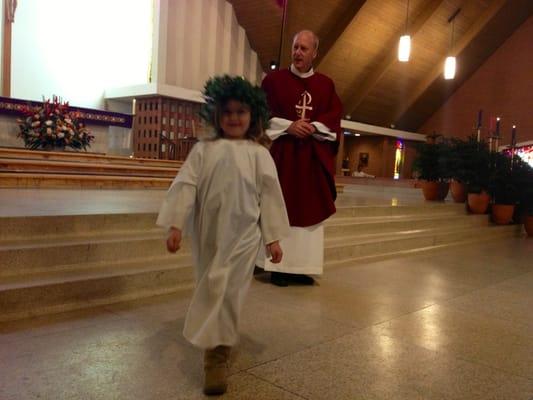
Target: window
pixel 91 27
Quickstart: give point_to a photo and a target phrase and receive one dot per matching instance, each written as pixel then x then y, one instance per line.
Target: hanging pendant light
pixel 404 47
pixel 450 64
pixel 449 67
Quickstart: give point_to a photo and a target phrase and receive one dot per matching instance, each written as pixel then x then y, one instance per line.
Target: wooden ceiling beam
pixel 263 29
pixel 330 25
pixel 491 29
pixel 340 20
pixel 358 92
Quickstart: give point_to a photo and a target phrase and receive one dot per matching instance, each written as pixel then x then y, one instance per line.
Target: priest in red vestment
pixel 305 129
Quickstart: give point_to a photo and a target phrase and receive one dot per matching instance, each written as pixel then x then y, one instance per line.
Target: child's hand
pixel 173 240
pixel 275 252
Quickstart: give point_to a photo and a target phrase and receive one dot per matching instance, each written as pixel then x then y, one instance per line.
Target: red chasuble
pixel 306 167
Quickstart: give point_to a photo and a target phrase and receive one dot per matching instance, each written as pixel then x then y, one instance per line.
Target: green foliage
pixel 221 89
pixel 510 181
pixel 464 156
pixel 432 161
pixel 523 180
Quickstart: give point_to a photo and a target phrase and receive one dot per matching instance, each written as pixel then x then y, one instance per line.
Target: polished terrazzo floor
pixel 453 324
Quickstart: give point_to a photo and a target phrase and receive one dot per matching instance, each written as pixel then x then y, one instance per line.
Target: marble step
pixel 77 289
pixel 339 249
pixel 29 256
pixel 55 264
pixel 86 283
pixel 395 210
pixel 69 181
pixel 350 225
pixel 53 252
pixel 12 228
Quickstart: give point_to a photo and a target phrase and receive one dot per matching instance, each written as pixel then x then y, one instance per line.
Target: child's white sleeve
pixel 274 221
pixel 179 202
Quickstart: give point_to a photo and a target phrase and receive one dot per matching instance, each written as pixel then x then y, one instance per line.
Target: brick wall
pixel 502 86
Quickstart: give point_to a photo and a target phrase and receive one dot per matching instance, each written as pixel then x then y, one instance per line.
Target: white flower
pixel 35 123
pixel 48 123
pixel 60 135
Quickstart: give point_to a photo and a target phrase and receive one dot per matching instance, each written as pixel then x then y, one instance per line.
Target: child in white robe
pixel 228 188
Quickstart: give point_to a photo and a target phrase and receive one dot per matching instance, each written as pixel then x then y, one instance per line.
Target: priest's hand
pixel 173 240
pixel 301 128
pixel 275 252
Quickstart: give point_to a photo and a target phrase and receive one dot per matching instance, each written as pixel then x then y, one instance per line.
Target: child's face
pixel 235 119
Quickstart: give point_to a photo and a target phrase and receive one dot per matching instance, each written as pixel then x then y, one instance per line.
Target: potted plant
pixel 460 151
pixel 528 213
pixel 430 163
pixel 503 187
pixel 52 125
pixel 525 196
pixel 476 169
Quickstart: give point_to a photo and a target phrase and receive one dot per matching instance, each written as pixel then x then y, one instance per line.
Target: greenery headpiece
pixel 220 89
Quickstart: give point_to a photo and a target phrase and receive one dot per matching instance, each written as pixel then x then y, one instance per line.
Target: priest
pixel 305 129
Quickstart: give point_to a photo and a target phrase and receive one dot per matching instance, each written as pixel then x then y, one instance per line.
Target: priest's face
pixel 304 51
pixel 235 119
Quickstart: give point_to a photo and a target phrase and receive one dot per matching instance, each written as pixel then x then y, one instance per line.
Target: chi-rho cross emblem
pixel 304 104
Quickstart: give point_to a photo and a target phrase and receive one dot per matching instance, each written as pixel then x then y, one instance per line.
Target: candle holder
pixel 494 142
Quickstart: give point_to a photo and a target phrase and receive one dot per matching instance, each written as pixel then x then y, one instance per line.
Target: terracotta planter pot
pixel 435 191
pixel 458 190
pixel 528 225
pixel 502 214
pixel 478 203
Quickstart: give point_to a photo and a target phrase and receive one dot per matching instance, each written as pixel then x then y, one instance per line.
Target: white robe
pixel 231 190
pixel 303 249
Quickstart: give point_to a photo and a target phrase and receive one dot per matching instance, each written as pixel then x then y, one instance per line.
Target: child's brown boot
pixel 216 370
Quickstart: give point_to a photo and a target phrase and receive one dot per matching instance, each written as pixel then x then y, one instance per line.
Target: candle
pixel 498 127
pixel 513 137
pixel 479 117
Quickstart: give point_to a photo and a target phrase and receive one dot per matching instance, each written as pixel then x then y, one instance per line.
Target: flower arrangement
pixel 53 125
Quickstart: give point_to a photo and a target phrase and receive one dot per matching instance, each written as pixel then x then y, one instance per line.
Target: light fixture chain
pixel 407 18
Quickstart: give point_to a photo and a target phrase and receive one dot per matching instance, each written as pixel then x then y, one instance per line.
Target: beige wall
pixel 199 39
